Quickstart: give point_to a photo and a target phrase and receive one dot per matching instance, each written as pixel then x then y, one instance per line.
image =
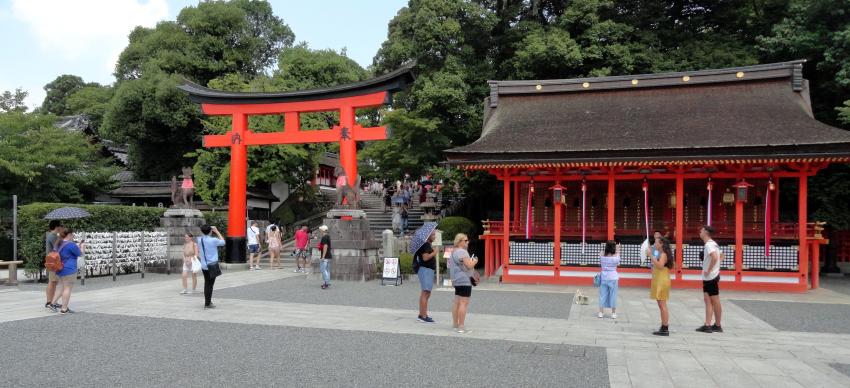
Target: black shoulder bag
pixel 214 269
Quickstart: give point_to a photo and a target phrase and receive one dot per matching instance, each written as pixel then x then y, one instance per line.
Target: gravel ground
pixel 101 282
pixel 111 350
pixel 843 368
pixel 371 294
pixel 795 316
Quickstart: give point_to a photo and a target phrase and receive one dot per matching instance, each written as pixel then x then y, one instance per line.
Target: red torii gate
pixel 346 99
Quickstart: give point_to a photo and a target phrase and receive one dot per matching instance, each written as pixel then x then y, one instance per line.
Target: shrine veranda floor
pixel 277 328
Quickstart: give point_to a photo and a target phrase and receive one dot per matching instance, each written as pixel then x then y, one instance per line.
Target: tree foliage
pixel 13 101
pixel 40 162
pixel 208 41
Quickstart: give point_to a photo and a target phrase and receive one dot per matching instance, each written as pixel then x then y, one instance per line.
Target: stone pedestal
pixel 176 222
pixel 355 253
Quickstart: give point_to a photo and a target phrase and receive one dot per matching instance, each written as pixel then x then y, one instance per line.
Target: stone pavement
pixel 750 353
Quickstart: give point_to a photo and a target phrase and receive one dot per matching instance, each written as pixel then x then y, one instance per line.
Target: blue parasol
pixel 420 236
pixel 66 213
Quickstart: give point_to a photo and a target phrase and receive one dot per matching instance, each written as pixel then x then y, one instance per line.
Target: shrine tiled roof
pixel 750 112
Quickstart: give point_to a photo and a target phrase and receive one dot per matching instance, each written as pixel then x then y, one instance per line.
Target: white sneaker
pixel 599 315
pixel 184 292
pixel 257 267
pixel 614 316
pixel 250 268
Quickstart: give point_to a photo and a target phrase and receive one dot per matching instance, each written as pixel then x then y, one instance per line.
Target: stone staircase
pixel 380 221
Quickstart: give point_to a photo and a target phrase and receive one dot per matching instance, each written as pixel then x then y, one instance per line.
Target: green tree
pixel 58 92
pixel 40 162
pixel 205 42
pixel 92 101
pixel 13 101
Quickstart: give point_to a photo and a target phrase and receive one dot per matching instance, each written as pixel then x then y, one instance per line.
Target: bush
pixel 451 226
pixel 104 218
pixel 217 219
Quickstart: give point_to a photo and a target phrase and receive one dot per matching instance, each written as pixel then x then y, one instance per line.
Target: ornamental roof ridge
pixel 391 82
pixel 790 69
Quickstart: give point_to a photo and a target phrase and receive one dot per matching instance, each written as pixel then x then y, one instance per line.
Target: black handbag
pixel 214 269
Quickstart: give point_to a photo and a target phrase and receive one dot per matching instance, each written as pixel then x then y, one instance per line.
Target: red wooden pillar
pixel 611 207
pixel 506 210
pixel 739 239
pixel 680 222
pixel 802 220
pixel 557 232
pixel 347 145
pixel 236 212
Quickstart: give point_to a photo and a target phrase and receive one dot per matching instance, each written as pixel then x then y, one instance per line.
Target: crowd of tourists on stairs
pixel 660 257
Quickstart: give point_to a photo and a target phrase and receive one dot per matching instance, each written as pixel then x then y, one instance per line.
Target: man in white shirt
pixel 712 258
pixel 253 234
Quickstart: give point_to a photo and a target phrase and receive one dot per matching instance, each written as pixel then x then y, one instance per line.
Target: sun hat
pixel 323 228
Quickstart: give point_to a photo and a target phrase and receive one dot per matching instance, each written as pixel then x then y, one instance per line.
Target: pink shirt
pixel 301 239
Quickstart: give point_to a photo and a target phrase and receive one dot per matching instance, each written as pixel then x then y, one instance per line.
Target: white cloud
pixel 80 28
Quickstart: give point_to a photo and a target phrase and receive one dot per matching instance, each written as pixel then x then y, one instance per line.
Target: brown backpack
pixel 53 262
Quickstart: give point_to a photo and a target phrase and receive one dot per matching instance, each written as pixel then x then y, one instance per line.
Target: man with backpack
pixel 51 241
pixel 712 258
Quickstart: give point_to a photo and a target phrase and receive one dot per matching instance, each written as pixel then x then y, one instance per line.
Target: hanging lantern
pixel 728 197
pixel 558 194
pixel 671 200
pixel 741 190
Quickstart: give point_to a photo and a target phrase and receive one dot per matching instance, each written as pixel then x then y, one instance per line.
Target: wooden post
pixel 680 223
pixel 506 211
pixel 739 239
pixel 802 220
pixel 611 207
pixel 114 256
pixel 142 254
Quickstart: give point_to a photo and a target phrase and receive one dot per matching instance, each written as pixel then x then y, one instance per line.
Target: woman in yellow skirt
pixel 660 289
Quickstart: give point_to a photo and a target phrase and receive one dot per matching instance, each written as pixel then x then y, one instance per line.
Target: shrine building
pixel 585 160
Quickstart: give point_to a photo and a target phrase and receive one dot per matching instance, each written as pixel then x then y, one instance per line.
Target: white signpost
pixel 391 271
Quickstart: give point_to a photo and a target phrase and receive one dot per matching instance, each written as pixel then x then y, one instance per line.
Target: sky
pixel 47 38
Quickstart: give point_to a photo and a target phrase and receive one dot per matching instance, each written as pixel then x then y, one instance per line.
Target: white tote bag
pixel 196 265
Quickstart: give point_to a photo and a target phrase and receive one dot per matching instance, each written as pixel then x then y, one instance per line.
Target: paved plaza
pixel 276 328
